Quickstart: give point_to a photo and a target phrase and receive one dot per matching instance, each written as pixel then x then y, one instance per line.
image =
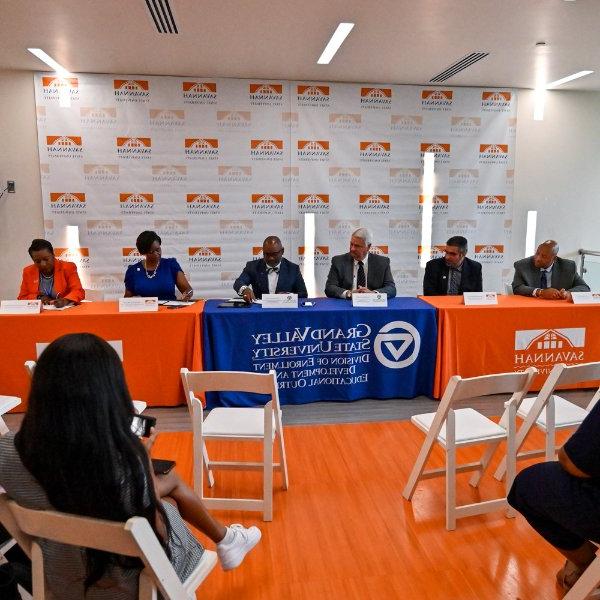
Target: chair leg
pixel 147 589
pixel 283 460
pixel 37 572
pixel 511 456
pixel 418 467
pixel 450 488
pixel 205 462
pixel 267 479
pixel 485 461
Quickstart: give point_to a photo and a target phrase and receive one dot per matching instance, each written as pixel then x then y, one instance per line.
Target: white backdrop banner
pixel 215 165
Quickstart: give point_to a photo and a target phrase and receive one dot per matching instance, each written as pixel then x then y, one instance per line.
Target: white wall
pixel 557 173
pixel 21 217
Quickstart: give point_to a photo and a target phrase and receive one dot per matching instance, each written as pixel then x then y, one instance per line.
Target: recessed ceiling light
pixel 340 34
pixel 60 70
pixel 568 78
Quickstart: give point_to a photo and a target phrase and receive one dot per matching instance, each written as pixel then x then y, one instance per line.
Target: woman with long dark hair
pixel 76 453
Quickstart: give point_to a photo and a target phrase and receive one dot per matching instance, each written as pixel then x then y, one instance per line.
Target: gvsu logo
pixel 397 345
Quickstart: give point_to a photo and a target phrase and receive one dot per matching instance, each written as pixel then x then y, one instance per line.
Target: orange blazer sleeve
pixel 29 283
pixel 66 281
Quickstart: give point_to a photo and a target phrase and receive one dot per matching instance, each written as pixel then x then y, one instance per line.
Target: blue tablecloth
pixel 331 351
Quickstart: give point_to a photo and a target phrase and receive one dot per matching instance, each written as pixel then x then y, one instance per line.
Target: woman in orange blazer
pixel 49 279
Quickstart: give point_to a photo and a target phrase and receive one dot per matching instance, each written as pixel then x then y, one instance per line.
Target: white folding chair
pixel 549 412
pixel 138 405
pixel 93 295
pixel 587 583
pixel 453 429
pixel 262 424
pixel 133 538
pixel 7 403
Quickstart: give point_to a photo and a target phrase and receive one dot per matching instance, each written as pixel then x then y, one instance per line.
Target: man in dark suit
pixel 454 273
pixel 545 275
pixel 359 271
pixel 271 274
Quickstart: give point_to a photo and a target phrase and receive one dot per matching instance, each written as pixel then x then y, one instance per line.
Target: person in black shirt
pixel 561 500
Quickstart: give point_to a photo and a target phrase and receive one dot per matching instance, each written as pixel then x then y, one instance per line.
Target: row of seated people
pixel 76 452
pixel 544 275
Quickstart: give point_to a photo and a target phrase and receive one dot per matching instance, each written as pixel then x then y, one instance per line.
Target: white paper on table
pixel 138 304
pixel 280 300
pixel 585 297
pixel 377 299
pixel 20 307
pixel 52 307
pixel 480 298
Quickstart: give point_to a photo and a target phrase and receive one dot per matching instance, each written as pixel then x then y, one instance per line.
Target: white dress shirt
pixel 355 274
pixel 273 278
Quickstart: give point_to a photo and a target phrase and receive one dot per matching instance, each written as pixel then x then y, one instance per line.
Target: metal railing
pixel 583 254
pixel 589 268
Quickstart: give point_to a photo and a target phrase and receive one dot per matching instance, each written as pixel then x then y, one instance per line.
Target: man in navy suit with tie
pixel 271 274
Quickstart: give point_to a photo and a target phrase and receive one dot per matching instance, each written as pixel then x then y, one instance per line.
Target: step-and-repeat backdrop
pixel 215 165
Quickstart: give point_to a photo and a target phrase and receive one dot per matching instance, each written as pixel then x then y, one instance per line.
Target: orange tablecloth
pixel 517 333
pixel 155 346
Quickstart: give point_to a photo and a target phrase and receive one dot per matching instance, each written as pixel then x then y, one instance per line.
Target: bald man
pixel 271 274
pixel 546 275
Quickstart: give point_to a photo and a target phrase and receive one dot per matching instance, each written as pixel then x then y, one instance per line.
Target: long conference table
pixel 330 351
pixel 155 346
pixel 517 333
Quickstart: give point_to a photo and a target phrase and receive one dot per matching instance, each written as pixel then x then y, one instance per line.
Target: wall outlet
pixel 10 187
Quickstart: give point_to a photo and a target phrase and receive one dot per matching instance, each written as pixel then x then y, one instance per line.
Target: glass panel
pixel 592 272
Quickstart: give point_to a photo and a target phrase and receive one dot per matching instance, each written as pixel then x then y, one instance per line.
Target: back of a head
pixel 79 385
pixel 76 437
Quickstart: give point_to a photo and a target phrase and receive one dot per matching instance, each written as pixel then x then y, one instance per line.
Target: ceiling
pixel 394 41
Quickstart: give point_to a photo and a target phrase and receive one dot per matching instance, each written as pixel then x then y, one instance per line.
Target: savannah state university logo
pixel 397 345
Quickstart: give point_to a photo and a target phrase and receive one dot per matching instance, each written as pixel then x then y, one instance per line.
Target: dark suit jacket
pixel 66 282
pixel 435 282
pixel 564 276
pixel 255 274
pixel 379 275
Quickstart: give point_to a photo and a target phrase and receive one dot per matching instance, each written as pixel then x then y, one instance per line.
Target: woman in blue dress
pixel 154 275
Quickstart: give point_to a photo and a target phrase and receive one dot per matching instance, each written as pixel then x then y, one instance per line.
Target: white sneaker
pixel 244 539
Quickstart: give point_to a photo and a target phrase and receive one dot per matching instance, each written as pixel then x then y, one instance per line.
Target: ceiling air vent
pixel 459 65
pixel 162 15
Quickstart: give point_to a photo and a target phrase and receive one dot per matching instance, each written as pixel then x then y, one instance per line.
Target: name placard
pixel 20 307
pixel 377 299
pixel 138 304
pixel 480 298
pixel 280 300
pixel 585 297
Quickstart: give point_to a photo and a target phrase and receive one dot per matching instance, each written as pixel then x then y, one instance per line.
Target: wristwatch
pixel 243 289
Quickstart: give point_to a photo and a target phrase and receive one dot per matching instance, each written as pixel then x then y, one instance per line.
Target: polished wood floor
pixel 343 530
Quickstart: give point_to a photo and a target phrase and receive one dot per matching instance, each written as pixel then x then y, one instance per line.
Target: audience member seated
pixel 76 453
pixel 271 274
pixel 453 274
pixel 561 500
pixel 546 275
pixel 49 279
pixel 360 271
pixel 154 275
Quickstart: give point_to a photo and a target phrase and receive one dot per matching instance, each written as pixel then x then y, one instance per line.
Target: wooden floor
pixel 343 530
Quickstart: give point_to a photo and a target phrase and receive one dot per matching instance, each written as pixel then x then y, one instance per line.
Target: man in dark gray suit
pixel 545 275
pixel 359 271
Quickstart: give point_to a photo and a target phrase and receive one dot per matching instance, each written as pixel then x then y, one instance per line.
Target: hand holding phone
pixel 141 425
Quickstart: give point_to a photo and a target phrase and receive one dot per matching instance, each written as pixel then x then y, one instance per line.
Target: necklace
pixel 155 270
pixel 47 276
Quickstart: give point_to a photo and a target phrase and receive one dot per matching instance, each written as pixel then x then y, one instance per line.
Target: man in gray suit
pixel 359 271
pixel 545 275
